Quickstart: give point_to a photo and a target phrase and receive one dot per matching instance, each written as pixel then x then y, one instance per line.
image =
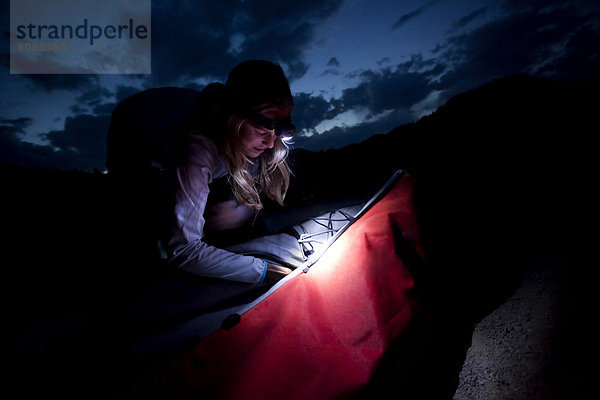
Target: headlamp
pixel 283 128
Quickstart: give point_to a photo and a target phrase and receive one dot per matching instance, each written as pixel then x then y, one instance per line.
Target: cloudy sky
pixel 356 67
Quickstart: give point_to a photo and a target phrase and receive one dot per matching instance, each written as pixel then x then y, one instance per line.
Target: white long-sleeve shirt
pixel 186 247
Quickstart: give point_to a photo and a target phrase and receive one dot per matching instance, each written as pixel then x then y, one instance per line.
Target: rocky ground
pixel 531 347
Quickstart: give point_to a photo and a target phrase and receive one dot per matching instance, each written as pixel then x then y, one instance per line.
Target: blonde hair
pixel 273 172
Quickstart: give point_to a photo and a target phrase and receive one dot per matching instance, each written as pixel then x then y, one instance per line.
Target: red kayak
pixel 320 332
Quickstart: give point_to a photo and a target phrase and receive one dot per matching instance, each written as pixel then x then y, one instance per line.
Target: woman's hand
pixel 276 272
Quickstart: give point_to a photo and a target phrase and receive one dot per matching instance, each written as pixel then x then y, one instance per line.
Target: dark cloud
pixel 333 62
pixel 532 5
pixel 16 125
pixel 467 19
pixel 40 82
pixel 580 59
pixel 195 39
pixel 389 89
pixel 192 40
pixel 331 71
pixel 13 151
pixel 281 31
pixel 104 109
pixel 310 110
pixel 333 67
pixel 388 94
pixel 282 44
pixel 124 91
pixel 91 98
pixel 582 7
pixel 44 82
pixel 406 17
pixel 412 15
pixel 528 41
pixel 83 136
pixel 81 144
pixel 384 60
pixel 50 82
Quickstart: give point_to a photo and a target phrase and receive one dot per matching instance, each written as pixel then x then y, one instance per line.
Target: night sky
pixel 356 67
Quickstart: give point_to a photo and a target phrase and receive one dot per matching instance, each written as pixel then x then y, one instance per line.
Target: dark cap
pixel 254 82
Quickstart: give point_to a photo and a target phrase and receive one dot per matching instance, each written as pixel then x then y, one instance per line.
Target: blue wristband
pixel 262 278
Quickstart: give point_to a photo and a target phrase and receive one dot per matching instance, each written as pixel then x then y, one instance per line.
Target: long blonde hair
pixel 272 174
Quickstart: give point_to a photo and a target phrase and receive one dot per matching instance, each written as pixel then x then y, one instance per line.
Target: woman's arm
pixel 187 250
pixel 276 272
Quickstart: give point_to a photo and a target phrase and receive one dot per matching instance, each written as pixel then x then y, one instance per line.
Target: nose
pixel 269 140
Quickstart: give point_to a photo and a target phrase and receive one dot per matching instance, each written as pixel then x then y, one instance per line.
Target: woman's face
pixel 255 138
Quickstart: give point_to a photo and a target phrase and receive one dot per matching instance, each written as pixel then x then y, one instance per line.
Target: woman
pixel 235 154
pixel 220 165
